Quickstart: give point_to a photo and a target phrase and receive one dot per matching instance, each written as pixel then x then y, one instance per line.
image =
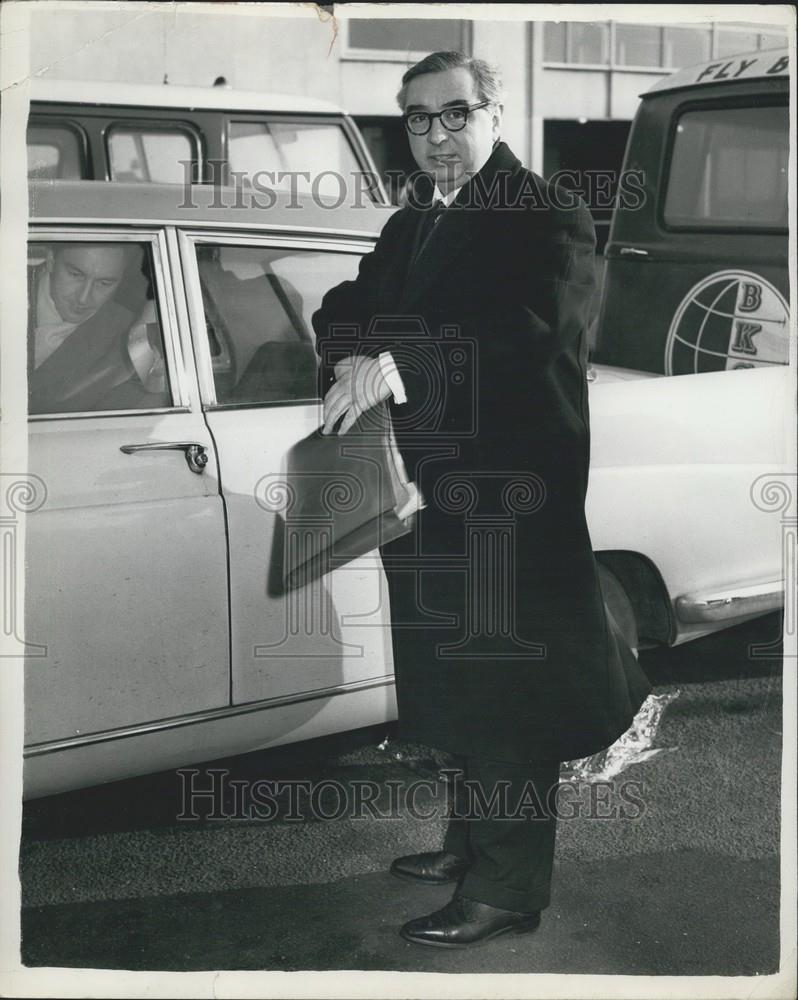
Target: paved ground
pixel 686 884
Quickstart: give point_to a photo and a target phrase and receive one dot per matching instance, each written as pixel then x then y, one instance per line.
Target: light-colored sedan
pixel 158 634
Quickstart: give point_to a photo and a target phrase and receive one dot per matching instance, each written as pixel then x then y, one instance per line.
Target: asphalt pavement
pixel 669 868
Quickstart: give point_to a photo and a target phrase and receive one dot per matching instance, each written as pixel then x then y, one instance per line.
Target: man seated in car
pixel 78 352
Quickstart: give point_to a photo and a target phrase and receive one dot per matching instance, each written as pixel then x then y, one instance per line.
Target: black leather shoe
pixel 464 922
pixel 432 867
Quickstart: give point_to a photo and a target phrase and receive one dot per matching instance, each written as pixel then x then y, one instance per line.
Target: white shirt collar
pixel 447 199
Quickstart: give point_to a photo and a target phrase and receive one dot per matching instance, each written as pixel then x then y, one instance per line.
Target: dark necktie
pixel 428 222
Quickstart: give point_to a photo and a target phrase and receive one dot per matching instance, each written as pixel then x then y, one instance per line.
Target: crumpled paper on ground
pixel 632 747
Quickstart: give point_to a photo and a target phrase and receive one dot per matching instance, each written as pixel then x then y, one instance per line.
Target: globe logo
pixel 731 319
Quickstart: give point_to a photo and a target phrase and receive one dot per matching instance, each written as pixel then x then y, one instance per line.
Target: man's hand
pixel 359 385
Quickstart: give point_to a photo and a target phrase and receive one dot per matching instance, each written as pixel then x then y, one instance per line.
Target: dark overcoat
pixel 503 647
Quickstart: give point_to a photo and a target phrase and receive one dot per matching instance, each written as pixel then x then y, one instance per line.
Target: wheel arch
pixel 646 592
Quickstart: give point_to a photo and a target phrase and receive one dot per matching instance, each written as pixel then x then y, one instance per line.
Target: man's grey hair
pixel 487 78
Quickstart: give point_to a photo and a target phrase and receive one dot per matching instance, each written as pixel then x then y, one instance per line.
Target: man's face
pixel 451 157
pixel 83 278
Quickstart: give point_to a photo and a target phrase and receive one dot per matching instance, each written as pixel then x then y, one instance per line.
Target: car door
pixel 251 298
pixel 126 600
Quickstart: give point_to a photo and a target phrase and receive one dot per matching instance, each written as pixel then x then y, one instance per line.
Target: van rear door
pixel 696 277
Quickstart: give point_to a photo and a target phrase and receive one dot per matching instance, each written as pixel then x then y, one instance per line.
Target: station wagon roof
pixel 93 202
pixel 745 66
pixel 102 93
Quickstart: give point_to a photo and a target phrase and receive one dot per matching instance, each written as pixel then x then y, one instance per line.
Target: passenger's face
pixel 451 157
pixel 83 278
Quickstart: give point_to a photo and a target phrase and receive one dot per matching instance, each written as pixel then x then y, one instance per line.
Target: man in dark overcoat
pixel 470 319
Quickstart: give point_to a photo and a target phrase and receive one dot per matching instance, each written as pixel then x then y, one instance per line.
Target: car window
pixel 258 306
pixel 150 155
pixel 729 169
pixel 54 151
pixel 95 337
pixel 320 150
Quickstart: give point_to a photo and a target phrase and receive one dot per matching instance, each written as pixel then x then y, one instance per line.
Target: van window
pixel 150 154
pixel 54 151
pixel 321 150
pixel 729 169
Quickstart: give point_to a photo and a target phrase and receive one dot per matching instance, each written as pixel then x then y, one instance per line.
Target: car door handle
pixel 196 456
pixel 633 252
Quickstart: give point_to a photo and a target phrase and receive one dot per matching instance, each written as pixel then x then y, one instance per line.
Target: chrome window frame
pixel 164 296
pixel 270 239
pixel 66 125
pixel 145 125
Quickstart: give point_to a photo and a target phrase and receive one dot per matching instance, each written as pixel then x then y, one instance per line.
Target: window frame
pixel 266 120
pixel 740 102
pixel 163 289
pixel 50 121
pixel 355 141
pixel 188 241
pixel 198 159
pixel 352 53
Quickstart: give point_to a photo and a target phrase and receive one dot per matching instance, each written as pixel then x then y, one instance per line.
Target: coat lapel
pixel 457 233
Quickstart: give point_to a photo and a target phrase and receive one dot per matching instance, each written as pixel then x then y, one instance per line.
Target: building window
pixel 577 43
pixel 638 45
pixel 730 42
pixel 686 46
pixel 653 47
pixel 395 38
pixel 588 43
pixel 555 42
pixel 771 40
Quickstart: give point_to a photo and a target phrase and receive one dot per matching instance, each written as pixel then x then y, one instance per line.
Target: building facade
pixel 572 86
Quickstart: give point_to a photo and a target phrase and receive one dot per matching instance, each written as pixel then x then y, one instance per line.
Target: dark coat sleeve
pixel 346 313
pixel 549 289
pixel 538 281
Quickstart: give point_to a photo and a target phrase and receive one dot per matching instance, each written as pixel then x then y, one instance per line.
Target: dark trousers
pixel 503 819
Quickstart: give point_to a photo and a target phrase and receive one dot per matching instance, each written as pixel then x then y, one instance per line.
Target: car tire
pixel 619 606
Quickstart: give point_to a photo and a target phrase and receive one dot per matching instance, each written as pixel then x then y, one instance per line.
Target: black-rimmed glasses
pixel 453 119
